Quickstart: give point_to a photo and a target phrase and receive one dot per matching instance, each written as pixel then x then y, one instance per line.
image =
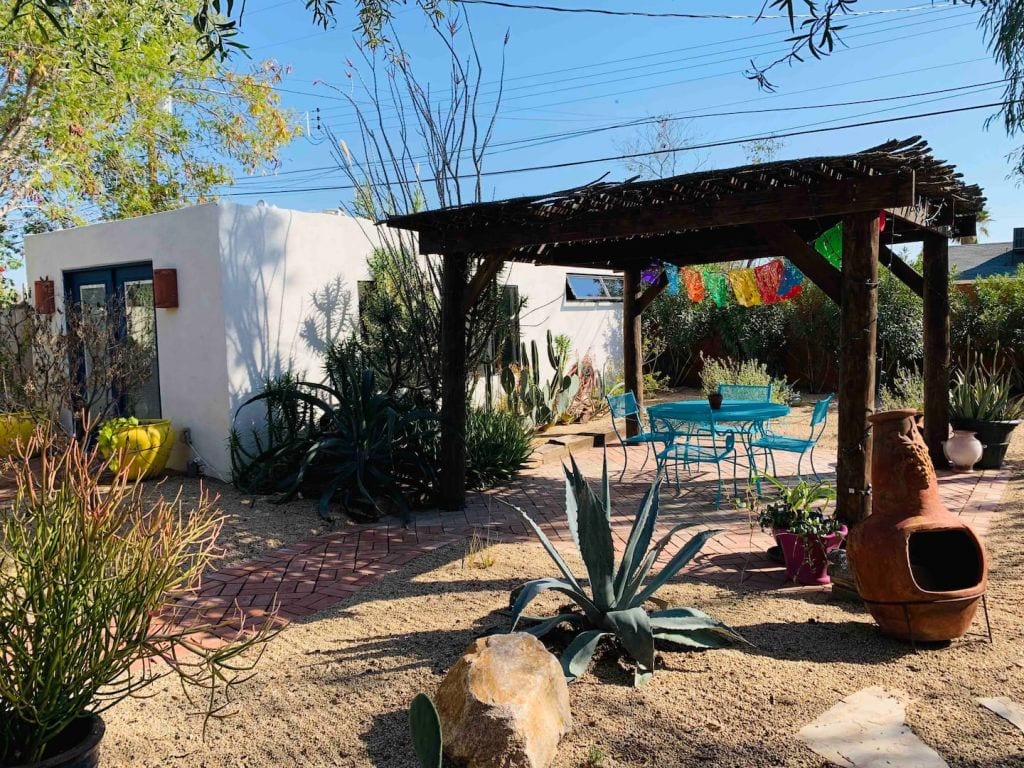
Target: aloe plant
pixel 615 604
pixel 982 392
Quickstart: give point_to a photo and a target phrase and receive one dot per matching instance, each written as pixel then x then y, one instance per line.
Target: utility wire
pixel 565 135
pixel 708 145
pixel 393 110
pixel 673 14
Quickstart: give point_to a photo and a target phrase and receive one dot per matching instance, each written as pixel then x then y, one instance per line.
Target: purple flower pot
pixel 807 556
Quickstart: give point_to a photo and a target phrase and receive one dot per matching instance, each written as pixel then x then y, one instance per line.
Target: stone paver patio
pixel 299 580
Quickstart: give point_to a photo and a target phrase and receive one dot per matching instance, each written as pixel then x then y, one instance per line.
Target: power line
pixel 565 135
pixel 633 155
pixel 671 14
pixel 395 112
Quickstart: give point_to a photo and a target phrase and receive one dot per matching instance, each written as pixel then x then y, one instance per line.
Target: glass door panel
pixel 115 307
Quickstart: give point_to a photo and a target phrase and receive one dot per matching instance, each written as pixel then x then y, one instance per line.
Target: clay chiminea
pixel 919 568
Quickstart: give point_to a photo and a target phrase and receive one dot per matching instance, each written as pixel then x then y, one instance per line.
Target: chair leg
pixel 625 460
pixel 718 498
pixel 815 471
pixel 647 456
pixel 799 461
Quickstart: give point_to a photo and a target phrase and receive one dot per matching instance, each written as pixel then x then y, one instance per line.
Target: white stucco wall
pixel 289 283
pixel 190 340
pixel 261 290
pixel 264 290
pixel 594 327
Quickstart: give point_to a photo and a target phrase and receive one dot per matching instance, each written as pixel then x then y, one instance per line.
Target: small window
pixel 593 288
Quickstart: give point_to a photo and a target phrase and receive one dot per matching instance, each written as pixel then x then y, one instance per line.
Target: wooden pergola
pixel 767 210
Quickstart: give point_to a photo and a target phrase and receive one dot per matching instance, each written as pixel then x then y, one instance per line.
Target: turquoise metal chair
pixel 697 447
pixel 623 406
pixel 752 392
pixel 770 442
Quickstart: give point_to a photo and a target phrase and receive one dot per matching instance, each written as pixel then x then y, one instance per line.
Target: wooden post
pixel 936 346
pixel 857 341
pixel 632 344
pixel 454 273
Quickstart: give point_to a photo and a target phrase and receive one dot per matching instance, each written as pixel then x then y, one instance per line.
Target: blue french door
pixel 124 292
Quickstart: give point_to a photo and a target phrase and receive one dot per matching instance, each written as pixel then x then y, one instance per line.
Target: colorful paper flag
pixel 651 273
pixel 830 245
pixel 744 286
pixel 672 274
pixel 694 282
pixel 717 287
pixel 768 277
pixel 791 283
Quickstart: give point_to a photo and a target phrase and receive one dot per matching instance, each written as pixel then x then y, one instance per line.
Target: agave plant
pixel 615 604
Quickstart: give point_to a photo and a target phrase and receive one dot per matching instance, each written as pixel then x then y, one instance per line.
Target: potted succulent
pixel 143 446
pixel 980 402
pixel 96 602
pixel 798 519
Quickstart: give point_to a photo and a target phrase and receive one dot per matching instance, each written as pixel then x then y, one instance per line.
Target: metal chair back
pixel 751 392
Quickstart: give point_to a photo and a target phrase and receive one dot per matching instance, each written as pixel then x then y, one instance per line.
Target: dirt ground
pixel 333 690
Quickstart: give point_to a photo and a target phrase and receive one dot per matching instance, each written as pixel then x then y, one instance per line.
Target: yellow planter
pixel 14 427
pixel 144 447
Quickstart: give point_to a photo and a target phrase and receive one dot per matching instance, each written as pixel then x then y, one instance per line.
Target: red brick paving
pixel 302 579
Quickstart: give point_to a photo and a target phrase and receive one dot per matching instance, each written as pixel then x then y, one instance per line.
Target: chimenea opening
pixel 944 561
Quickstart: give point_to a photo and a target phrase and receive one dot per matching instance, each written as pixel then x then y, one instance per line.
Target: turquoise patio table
pixel 749 415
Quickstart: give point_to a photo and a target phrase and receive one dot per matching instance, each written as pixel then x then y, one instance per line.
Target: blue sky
pixel 566 72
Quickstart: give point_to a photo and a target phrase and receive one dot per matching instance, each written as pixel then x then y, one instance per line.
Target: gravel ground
pixel 332 690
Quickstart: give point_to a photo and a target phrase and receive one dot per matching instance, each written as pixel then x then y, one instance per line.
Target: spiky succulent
pixel 615 605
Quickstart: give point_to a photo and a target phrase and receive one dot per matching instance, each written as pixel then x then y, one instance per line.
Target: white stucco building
pixel 263 290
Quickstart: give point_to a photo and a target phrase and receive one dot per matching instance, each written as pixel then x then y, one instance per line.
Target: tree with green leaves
pixel 120 115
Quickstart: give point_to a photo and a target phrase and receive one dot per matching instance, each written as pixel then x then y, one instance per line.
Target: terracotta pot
pixel 78 746
pixel 920 570
pixel 963 449
pixel 807 556
pixel 715 400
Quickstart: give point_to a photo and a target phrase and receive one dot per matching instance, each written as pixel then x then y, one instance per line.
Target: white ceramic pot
pixel 963 449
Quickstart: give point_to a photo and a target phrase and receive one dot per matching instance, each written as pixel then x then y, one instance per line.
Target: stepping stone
pixel 1006 708
pixel 868 729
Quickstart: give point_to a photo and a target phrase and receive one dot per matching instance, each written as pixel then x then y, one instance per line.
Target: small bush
pixel 746 372
pixel 498 443
pixel 905 391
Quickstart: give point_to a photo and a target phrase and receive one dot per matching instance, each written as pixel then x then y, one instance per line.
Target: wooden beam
pixel 632 345
pixel 652 293
pixel 489 267
pixel 774 205
pixel 936 346
pixel 903 271
pixel 683 248
pixel 786 242
pixel 452 481
pixel 857 361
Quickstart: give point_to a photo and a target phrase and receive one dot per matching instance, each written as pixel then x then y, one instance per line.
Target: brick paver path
pixel 302 579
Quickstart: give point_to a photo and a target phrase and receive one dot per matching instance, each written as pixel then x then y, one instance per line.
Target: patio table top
pixel 699 411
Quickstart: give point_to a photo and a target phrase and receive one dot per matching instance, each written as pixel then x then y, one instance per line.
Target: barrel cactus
pixel 615 605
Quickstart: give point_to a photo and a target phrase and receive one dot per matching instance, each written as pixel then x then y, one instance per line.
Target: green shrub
pixel 900 327
pixel 718 371
pixel 813 338
pixel 993 314
pixel 614 606
pixel 498 443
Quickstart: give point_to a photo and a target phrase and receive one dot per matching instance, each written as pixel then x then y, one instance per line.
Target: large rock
pixel 504 704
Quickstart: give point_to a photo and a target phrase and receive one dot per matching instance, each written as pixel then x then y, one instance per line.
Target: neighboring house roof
pixel 987 259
